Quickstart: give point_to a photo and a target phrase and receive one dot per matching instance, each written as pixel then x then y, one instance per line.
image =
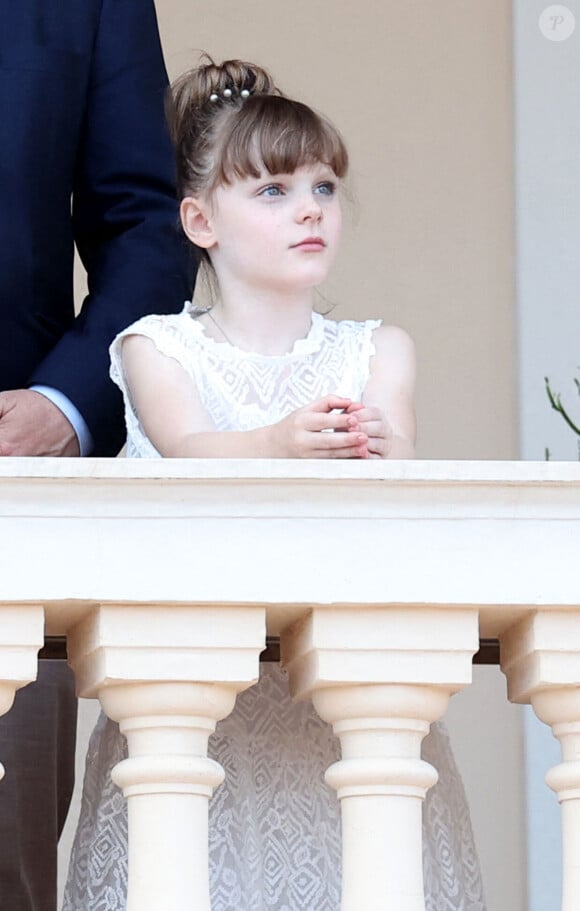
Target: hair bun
pixel 225 81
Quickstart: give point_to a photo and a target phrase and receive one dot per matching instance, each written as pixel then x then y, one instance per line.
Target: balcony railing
pixel 379 578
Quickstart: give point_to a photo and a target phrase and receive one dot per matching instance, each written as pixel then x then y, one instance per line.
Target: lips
pixel 310 244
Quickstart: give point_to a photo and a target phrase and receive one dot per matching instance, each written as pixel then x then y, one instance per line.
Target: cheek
pixel 264 230
pixel 271 239
pixel 335 228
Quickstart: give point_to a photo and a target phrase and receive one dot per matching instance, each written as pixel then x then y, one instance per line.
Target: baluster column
pixel 21 636
pixel 167 674
pixel 380 676
pixel 540 657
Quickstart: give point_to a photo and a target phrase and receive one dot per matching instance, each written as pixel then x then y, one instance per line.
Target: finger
pixel 374 429
pixel 355 406
pixel 370 413
pixel 345 452
pixel 335 420
pixel 329 403
pixel 331 442
pixel 335 445
pixel 377 445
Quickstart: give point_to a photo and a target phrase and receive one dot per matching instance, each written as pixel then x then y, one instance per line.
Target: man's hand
pixel 31 425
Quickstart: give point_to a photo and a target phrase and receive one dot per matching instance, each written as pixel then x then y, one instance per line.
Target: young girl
pixel 260 374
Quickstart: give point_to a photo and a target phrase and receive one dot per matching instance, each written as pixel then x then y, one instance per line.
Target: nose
pixel 309 209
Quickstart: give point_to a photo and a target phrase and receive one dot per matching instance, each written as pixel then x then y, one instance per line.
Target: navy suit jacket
pixel 82 85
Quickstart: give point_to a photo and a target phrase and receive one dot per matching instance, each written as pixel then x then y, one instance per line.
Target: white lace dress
pixel 274 825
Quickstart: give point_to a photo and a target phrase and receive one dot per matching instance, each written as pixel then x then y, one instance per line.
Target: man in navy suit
pixel 81 118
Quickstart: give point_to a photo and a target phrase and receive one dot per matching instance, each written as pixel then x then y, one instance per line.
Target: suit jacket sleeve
pixel 124 214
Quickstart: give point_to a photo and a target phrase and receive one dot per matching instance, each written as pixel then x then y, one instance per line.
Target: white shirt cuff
pixel 72 414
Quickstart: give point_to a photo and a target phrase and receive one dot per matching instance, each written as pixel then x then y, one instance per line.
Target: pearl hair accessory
pixel 227 94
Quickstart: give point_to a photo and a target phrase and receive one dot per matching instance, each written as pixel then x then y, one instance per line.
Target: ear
pixel 196 223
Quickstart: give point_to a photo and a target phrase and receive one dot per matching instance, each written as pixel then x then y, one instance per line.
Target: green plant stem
pixel 556 403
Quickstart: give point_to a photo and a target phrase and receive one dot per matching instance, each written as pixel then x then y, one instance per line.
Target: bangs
pixel 279 135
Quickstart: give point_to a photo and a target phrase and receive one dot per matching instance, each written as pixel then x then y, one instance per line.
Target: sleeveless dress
pixel 274 839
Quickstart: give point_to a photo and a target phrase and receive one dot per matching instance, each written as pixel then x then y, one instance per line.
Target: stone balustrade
pixel 379 577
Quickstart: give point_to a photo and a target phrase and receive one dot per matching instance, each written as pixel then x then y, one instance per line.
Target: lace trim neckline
pixel 310 344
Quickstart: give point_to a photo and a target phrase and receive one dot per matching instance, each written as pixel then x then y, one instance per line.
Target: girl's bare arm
pixel 387 412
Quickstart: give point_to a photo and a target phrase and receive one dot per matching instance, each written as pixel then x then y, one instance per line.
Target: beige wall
pixel 422 94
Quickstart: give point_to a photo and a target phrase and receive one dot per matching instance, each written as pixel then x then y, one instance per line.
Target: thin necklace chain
pixel 219 328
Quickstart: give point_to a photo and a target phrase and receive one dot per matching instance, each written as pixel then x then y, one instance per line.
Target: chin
pixel 310 277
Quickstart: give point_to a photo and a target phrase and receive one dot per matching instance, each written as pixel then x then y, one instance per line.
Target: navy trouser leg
pixel 37 749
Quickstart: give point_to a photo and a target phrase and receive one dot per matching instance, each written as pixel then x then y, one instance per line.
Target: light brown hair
pixel 230 121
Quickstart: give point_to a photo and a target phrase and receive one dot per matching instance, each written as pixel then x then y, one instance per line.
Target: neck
pixel 262 320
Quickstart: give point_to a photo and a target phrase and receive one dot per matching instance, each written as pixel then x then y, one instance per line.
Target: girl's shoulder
pixel 373 343
pixel 161 323
pixel 174 335
pixel 393 341
pixel 169 331
pixel 386 336
pixel 348 326
pixel 394 356
pixel 349 333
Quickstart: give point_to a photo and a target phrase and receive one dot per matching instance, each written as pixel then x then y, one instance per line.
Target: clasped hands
pixel 359 431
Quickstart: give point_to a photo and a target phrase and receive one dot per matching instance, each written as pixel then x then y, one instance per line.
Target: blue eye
pixel 327 188
pixel 272 190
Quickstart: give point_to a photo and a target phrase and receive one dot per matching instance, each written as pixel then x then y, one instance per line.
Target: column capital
pixel 430 645
pixel 541 651
pixel 121 643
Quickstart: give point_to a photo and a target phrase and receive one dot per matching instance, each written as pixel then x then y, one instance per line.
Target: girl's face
pixel 279 232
